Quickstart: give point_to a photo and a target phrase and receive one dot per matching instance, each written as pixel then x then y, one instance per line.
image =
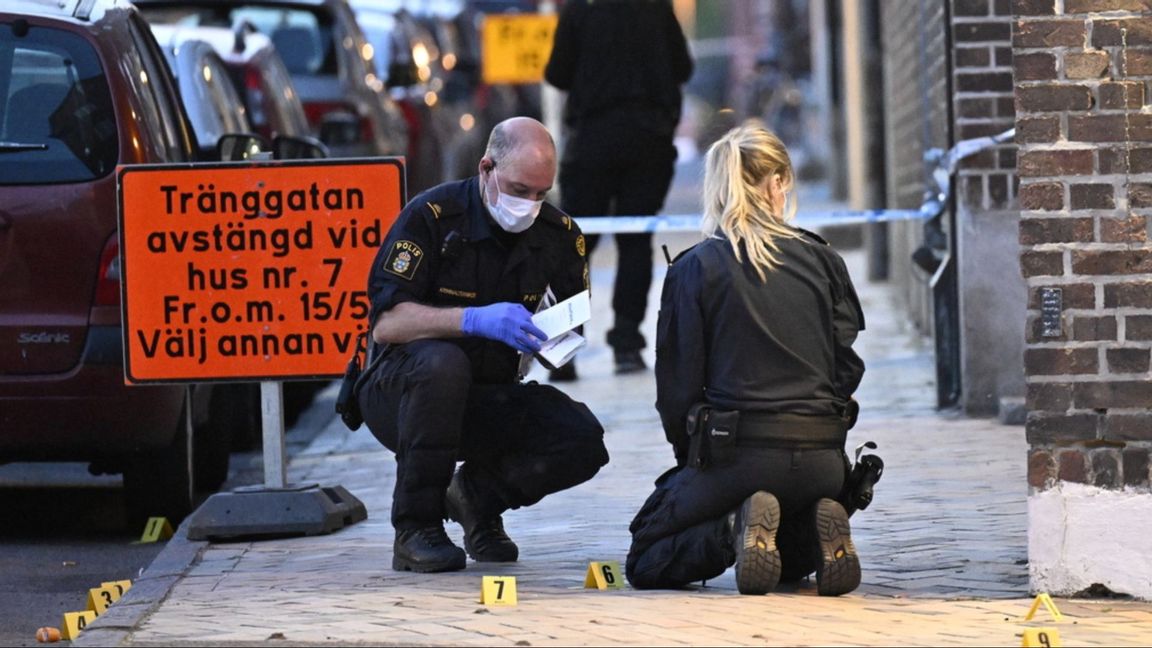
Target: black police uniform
pixel 437 401
pixel 779 354
pixel 622 63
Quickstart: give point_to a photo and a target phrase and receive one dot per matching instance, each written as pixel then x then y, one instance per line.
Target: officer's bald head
pixel 523 151
pixel 522 138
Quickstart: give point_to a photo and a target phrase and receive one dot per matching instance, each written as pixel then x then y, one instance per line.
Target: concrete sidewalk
pixel 943 546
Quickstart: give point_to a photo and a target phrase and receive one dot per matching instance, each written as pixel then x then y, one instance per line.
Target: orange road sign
pixel 253 271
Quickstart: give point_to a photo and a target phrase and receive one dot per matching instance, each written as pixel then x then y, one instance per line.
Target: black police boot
pixel 838 569
pixel 626 341
pixel 484 536
pixel 629 362
pixel 754 539
pixel 426 550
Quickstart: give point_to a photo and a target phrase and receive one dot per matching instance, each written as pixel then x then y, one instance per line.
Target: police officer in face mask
pixel 452 290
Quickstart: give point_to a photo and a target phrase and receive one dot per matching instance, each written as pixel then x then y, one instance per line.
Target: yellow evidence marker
pixel 604 574
pixel 74 622
pixel 99 598
pixel 1041 638
pixel 1046 601
pixel 498 590
pixel 157 528
pixel 121 586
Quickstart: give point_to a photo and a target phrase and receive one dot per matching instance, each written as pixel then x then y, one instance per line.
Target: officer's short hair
pixel 502 143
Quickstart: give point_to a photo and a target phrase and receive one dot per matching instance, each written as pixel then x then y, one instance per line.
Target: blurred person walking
pixel 622 63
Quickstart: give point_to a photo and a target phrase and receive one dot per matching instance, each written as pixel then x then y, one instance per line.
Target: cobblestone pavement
pixel 943 546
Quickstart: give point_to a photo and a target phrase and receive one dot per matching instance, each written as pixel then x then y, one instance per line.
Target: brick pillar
pixel 1085 167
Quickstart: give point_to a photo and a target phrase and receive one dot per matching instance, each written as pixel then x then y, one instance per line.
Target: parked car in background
pixel 470 107
pixel 85 88
pixel 271 103
pixel 405 57
pixel 213 106
pixel 328 59
pixel 274 105
pixel 429 55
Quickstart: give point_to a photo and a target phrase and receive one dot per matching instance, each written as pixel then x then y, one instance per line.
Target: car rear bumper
pixel 88 413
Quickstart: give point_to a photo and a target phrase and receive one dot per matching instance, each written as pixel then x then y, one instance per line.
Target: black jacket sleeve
pixel 681 355
pixel 404 268
pixel 847 322
pixel 567 249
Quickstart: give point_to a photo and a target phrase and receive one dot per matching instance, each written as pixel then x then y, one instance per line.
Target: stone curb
pixel 148 592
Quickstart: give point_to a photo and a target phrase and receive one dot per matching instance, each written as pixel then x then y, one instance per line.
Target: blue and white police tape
pixel 691 222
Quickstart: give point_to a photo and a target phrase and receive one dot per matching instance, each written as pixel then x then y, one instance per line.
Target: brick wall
pixel 915 73
pixel 916 94
pixel 983 100
pixel 1085 164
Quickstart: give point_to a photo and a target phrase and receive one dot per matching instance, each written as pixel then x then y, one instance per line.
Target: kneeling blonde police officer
pixel 755 372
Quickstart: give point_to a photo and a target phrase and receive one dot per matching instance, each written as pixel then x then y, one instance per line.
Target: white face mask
pixel 511 213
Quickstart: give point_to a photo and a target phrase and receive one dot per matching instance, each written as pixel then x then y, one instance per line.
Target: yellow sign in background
pixel 250 271
pixel 516 47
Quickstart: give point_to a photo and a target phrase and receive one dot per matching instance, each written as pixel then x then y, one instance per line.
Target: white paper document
pixel 565 316
pixel 559 350
pixel 557 321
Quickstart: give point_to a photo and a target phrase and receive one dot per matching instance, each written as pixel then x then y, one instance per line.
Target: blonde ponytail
pixel 736 170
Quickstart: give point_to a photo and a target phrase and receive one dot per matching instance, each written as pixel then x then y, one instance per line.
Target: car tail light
pixel 480 97
pixel 254 90
pixel 316 110
pixel 108 281
pixel 366 130
pixel 412 117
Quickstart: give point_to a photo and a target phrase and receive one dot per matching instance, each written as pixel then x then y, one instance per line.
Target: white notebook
pixel 557 321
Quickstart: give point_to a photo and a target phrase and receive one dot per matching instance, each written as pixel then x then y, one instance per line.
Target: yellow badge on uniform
pixel 580 245
pixel 403 259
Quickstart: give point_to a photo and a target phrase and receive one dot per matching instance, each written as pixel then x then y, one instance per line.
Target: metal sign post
pixel 272 420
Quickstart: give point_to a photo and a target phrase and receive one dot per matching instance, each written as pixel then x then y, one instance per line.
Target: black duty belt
pixel 791 431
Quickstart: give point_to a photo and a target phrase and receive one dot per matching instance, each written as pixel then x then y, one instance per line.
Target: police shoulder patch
pixel 403 259
pixel 555 217
pixel 580 247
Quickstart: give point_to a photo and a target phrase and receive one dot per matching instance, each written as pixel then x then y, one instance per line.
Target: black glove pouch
pixel 348 400
pixel 711 436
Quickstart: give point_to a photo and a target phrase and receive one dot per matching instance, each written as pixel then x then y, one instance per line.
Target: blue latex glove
pixel 504 322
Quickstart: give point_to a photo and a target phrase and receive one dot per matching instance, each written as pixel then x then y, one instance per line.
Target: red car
pixel 84 88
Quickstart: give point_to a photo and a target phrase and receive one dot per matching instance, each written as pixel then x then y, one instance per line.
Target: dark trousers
pixel 519 442
pixel 681 533
pixel 610 167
